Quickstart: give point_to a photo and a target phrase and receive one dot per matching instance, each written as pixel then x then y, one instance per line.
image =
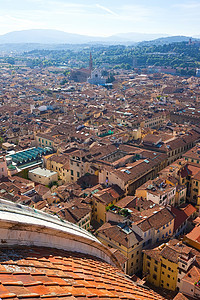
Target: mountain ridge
pixel 52 36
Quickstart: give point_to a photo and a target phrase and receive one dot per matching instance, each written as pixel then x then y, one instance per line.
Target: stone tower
pixel 90 63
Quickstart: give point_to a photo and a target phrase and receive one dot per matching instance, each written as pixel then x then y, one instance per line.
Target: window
pixel 72 172
pixel 168 276
pixel 148 257
pixel 78 174
pixel 148 264
pixel 169 268
pixel 132 255
pixel 179 280
pixel 164 266
pixel 168 284
pixel 154 276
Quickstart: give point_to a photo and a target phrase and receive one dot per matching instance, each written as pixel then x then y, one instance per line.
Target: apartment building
pixel 102 199
pixel 158 191
pixel 193 155
pixel 190 175
pixel 76 212
pixel 143 220
pixel 43 176
pixel 132 175
pixel 163 265
pixel 122 237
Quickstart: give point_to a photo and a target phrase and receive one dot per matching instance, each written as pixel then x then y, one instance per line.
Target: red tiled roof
pixel 188 209
pixel 180 296
pixel 194 234
pixel 43 273
pixel 182 214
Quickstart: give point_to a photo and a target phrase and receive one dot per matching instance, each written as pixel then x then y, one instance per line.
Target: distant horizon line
pixel 104 36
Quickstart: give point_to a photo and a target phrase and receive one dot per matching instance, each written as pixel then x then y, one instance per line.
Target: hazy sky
pixel 103 17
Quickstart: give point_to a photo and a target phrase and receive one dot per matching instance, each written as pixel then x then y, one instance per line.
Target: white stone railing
pixel 22 225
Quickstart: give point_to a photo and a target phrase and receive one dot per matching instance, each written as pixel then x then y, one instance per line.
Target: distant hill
pixel 167 40
pixel 26 40
pixel 43 36
pixel 137 37
pixel 50 36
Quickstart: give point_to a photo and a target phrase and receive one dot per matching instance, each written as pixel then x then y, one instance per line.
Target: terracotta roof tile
pixel 39 273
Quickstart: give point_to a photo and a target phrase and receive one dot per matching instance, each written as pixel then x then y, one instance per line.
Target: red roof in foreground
pixel 49 274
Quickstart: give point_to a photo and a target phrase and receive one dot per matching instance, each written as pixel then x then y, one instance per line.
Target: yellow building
pixel 102 199
pixel 162 265
pixel 190 176
pixel 70 166
pixel 122 237
pixel 59 164
pixel 195 188
pixel 181 190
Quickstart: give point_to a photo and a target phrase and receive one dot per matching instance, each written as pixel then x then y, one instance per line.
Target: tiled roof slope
pixel 50 274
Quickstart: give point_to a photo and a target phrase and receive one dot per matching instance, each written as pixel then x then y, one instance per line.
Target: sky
pixel 103 17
